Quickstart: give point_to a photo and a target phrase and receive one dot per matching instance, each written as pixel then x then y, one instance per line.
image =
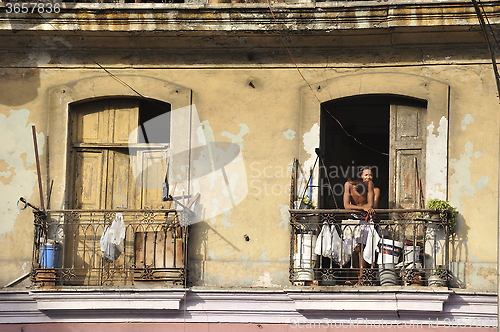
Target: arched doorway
pixel 383 132
pixel 118 153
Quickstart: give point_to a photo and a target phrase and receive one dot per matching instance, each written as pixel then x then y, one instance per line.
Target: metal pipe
pixel 37 160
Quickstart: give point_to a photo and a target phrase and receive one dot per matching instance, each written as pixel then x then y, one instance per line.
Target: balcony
pixel 150 246
pixel 400 247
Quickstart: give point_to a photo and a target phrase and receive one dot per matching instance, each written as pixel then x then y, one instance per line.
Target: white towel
pixel 371 245
pixel 324 242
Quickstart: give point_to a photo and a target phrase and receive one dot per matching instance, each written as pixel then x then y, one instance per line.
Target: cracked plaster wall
pixel 272 124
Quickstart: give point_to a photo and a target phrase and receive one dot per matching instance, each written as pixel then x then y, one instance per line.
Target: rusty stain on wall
pixel 18 73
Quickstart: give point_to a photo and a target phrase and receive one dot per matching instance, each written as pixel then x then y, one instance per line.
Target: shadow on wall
pixel 19 86
pixel 459 252
pixel 198 253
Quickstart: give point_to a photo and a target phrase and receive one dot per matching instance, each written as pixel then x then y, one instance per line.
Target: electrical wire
pixel 492 52
pixel 312 90
pixel 116 78
pixel 489 25
pixel 107 71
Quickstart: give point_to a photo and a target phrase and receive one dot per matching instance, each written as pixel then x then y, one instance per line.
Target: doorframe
pixel 436 94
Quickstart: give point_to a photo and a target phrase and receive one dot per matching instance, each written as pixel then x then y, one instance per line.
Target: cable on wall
pixel 488 42
pixel 312 90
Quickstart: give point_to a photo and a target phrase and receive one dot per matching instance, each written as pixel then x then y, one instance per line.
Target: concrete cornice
pixel 243 306
pixel 187 19
pixel 371 301
pixel 102 300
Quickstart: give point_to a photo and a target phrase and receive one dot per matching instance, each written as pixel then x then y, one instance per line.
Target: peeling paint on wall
pixel 467 120
pixel 461 180
pixel 263 257
pixel 17 166
pixel 237 139
pixel 480 274
pixel 218 171
pixel 311 142
pixel 250 264
pixel 212 256
pixel 436 160
pixel 289 134
pixel 285 216
pixel 265 280
pixel 225 219
pixel 6 173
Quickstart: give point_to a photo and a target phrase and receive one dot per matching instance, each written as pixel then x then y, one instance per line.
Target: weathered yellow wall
pixel 267 123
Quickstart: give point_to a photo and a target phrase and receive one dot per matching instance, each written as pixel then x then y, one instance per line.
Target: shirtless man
pixel 358 195
pixel 367 176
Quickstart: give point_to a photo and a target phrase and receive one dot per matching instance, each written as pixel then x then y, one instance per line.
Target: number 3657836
pixel 32 7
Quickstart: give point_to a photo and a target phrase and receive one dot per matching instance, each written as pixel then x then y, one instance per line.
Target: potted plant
pixel 439 278
pixel 306 203
pixel 446 211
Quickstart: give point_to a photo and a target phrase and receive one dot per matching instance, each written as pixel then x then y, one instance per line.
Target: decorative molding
pixel 371 301
pixel 206 18
pixel 102 300
pixel 398 306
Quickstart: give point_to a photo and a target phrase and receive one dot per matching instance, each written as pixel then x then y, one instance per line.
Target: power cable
pixel 490 26
pixel 312 90
pixel 492 52
pixel 119 80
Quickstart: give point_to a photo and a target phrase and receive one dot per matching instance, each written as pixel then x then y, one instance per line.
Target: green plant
pixel 309 202
pixel 441 273
pixel 446 211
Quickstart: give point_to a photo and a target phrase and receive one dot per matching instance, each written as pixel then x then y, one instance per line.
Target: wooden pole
pixel 37 161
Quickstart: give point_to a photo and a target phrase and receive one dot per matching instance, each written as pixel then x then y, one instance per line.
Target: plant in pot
pixel 306 203
pixel 446 212
pixel 439 278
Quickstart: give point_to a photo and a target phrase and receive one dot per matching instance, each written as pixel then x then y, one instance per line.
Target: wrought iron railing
pixel 70 249
pixel 341 247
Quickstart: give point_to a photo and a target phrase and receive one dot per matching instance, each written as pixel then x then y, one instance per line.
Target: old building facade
pixel 211 104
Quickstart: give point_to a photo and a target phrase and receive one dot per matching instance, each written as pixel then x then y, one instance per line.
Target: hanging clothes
pixel 371 246
pixel 339 252
pixel 324 242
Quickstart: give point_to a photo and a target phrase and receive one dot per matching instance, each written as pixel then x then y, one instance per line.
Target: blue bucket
pixel 49 255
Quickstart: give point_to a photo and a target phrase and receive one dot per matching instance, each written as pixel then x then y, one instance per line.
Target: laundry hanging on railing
pixel 371 246
pixel 112 240
pixel 330 245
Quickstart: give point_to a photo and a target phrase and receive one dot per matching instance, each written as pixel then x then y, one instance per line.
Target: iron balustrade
pixel 399 247
pixel 67 248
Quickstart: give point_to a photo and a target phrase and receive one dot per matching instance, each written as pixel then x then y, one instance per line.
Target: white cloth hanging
pixel 371 246
pixel 339 252
pixel 324 242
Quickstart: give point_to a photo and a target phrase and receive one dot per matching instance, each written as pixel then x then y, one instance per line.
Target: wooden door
pixel 407 155
pixel 100 138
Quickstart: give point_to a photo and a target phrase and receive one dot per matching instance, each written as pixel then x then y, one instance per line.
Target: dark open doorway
pixel 366 118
